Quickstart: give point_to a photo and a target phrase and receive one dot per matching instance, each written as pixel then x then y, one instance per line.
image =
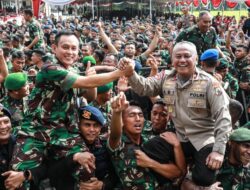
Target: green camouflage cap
pixel 240 135
pixel 104 88
pixel 89 58
pixel 15 81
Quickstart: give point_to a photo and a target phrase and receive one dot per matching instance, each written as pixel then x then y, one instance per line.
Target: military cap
pixel 223 64
pixel 210 55
pixel 39 52
pixel 89 58
pixel 104 88
pixel 94 29
pixel 4 111
pixel 92 113
pixel 46 27
pixel 240 135
pixel 15 81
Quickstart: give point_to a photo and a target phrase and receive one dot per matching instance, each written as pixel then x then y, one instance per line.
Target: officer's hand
pixel 119 103
pixel 92 184
pixel 142 159
pixel 14 179
pixel 171 138
pixel 85 159
pixel 127 66
pixel 90 70
pixel 214 160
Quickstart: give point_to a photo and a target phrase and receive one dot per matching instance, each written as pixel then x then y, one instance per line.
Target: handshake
pixel 126 66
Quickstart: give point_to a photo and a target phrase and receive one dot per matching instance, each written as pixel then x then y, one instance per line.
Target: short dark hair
pixel 18 55
pixel 243 47
pixel 236 109
pixel 130 43
pixel 63 33
pixel 160 102
pixel 28 12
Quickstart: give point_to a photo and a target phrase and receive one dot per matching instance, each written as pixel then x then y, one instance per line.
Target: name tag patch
pixel 197 103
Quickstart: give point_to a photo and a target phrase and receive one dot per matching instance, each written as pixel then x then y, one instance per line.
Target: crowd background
pixel 149 43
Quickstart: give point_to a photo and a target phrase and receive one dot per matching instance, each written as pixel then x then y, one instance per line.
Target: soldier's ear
pixel 53 48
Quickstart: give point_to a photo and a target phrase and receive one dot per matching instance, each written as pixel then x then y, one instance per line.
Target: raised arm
pixel 106 39
pixel 118 104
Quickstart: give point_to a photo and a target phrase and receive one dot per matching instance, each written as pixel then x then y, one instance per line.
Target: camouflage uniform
pixel 16 108
pixel 51 120
pixel 149 133
pixel 239 65
pixel 233 177
pixel 124 161
pixel 35 30
pixel 202 41
pixel 233 85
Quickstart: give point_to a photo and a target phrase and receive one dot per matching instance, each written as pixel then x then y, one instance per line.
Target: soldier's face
pixel 133 120
pixel 24 91
pixel 241 152
pixel 223 72
pixel 184 61
pixel 66 50
pixel 18 64
pixel 90 130
pixel 205 22
pixel 5 129
pixel 159 117
pixel 240 53
pixel 129 50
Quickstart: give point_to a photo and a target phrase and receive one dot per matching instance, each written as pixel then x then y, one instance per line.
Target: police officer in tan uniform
pixel 199 108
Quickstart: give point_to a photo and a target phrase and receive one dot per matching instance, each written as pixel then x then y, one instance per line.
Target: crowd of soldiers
pixel 125 104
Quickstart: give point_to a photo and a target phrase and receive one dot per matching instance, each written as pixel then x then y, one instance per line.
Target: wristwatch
pixel 26 174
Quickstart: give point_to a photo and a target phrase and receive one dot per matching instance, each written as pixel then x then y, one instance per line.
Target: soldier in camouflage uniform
pixel 202 34
pixel 51 119
pixel 15 101
pixel 35 31
pixel 235 171
pixel 244 83
pixel 129 161
pixel 104 94
pixel 160 121
pixel 230 83
pixel 240 59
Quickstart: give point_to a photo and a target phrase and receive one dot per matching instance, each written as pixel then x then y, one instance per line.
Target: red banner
pixel 216 3
pixel 247 3
pixel 36 5
pixel 196 3
pixel 204 2
pixel 231 4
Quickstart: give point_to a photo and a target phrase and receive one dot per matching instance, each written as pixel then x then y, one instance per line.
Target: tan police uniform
pixel 199 108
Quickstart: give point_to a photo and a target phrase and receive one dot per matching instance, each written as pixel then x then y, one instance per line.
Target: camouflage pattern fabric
pixel 233 177
pixel 131 176
pixel 51 120
pixel 35 30
pixel 202 41
pixel 16 108
pixel 239 65
pixel 233 85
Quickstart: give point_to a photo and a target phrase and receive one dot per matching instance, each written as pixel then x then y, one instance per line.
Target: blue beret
pixel 4 111
pixel 240 135
pixel 210 55
pixel 92 113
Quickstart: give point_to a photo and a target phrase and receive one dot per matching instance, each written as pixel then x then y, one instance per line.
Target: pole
pixel 150 9
pixel 93 10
